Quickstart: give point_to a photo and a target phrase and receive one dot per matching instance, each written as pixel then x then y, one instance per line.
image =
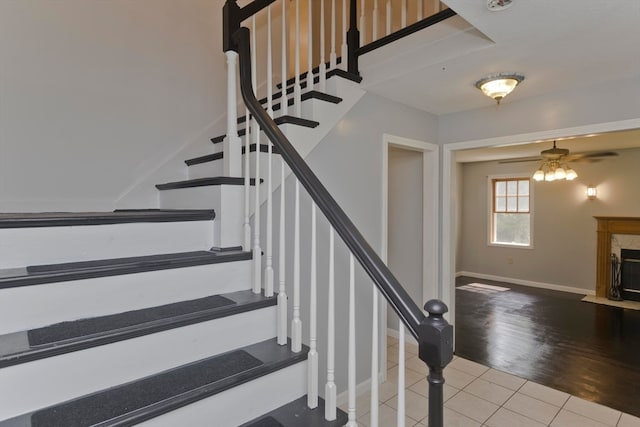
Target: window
pixel 510 214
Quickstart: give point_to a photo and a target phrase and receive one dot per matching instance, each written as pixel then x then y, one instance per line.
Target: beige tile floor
pixel 476 396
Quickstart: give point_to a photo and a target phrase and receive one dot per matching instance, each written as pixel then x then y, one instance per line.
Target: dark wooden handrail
pixel 395 294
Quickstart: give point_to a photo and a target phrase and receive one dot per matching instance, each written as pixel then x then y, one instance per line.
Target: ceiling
pixel 558 45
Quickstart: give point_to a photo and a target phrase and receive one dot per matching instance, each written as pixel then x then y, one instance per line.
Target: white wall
pixel 93 94
pixel 404 256
pixel 564 238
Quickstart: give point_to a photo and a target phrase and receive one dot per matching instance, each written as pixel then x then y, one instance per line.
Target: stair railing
pixel 433 333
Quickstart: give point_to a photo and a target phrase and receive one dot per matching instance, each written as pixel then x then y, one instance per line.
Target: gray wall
pixel 405 232
pixel 93 94
pixel 564 238
pixel 349 163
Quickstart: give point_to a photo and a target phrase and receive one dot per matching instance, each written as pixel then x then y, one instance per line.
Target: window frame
pixel 490 210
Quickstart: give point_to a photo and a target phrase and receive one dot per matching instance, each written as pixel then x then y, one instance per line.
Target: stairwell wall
pixel 349 163
pixel 95 93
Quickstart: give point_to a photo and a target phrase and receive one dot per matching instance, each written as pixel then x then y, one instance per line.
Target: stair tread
pixel 279 121
pixel 51 273
pixel 264 148
pixel 310 94
pixel 148 397
pixel 60 219
pixel 65 337
pixel 298 414
pixel 203 182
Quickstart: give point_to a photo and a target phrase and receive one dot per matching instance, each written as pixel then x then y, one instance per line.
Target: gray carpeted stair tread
pixel 53 273
pixel 67 337
pixel 68 330
pixel 298 414
pixel 146 398
pixel 117 401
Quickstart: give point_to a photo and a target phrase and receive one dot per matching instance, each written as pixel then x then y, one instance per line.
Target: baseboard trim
pixel 530 283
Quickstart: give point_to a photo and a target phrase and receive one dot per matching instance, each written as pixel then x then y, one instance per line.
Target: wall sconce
pixel 592 192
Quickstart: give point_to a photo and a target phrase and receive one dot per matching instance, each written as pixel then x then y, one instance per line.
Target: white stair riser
pixel 239 404
pixel 45 382
pixel 226 200
pixel 31 307
pixel 21 247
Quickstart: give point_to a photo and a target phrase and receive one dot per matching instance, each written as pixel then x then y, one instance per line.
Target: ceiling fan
pixel 563 155
pixel 554 162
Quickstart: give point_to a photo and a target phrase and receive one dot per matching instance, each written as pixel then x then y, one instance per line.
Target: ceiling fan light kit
pixel 497 5
pixel 498 86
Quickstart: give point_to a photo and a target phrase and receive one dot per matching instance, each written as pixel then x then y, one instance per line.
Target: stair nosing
pixel 65 219
pixel 120 269
pixel 204 182
pixel 220 155
pixel 125 333
pixel 286 119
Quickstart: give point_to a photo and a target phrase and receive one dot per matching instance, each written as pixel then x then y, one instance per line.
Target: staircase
pixel 160 316
pixel 137 316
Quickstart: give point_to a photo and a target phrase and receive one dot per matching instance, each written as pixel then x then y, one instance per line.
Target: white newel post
pixel 232 146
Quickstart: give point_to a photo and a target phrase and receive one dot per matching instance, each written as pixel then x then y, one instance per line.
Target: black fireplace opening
pixel 630 274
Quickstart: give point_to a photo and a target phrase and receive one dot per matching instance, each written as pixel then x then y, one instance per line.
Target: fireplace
pixel 607 226
pixel 630 274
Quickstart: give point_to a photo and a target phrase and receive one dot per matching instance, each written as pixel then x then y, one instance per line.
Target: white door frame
pixel 430 213
pixel 450 188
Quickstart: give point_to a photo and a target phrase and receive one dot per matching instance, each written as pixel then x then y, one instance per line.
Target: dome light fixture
pixel 500 85
pixel 497 5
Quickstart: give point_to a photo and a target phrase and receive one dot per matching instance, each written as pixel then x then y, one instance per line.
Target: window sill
pixel 510 245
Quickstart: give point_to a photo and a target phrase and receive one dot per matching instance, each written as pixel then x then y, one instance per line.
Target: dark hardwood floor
pixel 588 350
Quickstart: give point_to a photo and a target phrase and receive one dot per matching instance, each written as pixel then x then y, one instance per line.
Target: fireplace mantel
pixel 608 225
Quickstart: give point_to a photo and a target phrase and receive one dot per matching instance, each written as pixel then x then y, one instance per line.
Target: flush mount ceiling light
pixel 500 85
pixel 496 5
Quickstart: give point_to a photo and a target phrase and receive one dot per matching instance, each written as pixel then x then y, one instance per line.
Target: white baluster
pixel 247 182
pixel 323 66
pixel 403 12
pixel 352 347
pixel 389 17
pixel 333 57
pixel 420 11
pixel 257 250
pixel 363 23
pixel 282 292
pixel 268 270
pixel 312 357
pixel 436 6
pixel 345 50
pixel 401 399
pixel 310 49
pixel 232 146
pixel 296 323
pixel 376 17
pixel 284 107
pixel 374 360
pixel 330 387
pixel 297 90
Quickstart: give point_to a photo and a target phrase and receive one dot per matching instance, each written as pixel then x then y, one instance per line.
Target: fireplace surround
pixel 608 225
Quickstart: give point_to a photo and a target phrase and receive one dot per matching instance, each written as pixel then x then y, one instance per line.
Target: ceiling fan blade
pixel 522 160
pixel 586 160
pixel 589 155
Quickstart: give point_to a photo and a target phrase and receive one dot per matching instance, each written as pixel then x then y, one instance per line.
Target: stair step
pixel 297 414
pixel 312 94
pixel 336 72
pixel 264 148
pixel 66 219
pixel 52 273
pixel 203 182
pixel 66 337
pixel 158 394
pixel 280 121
